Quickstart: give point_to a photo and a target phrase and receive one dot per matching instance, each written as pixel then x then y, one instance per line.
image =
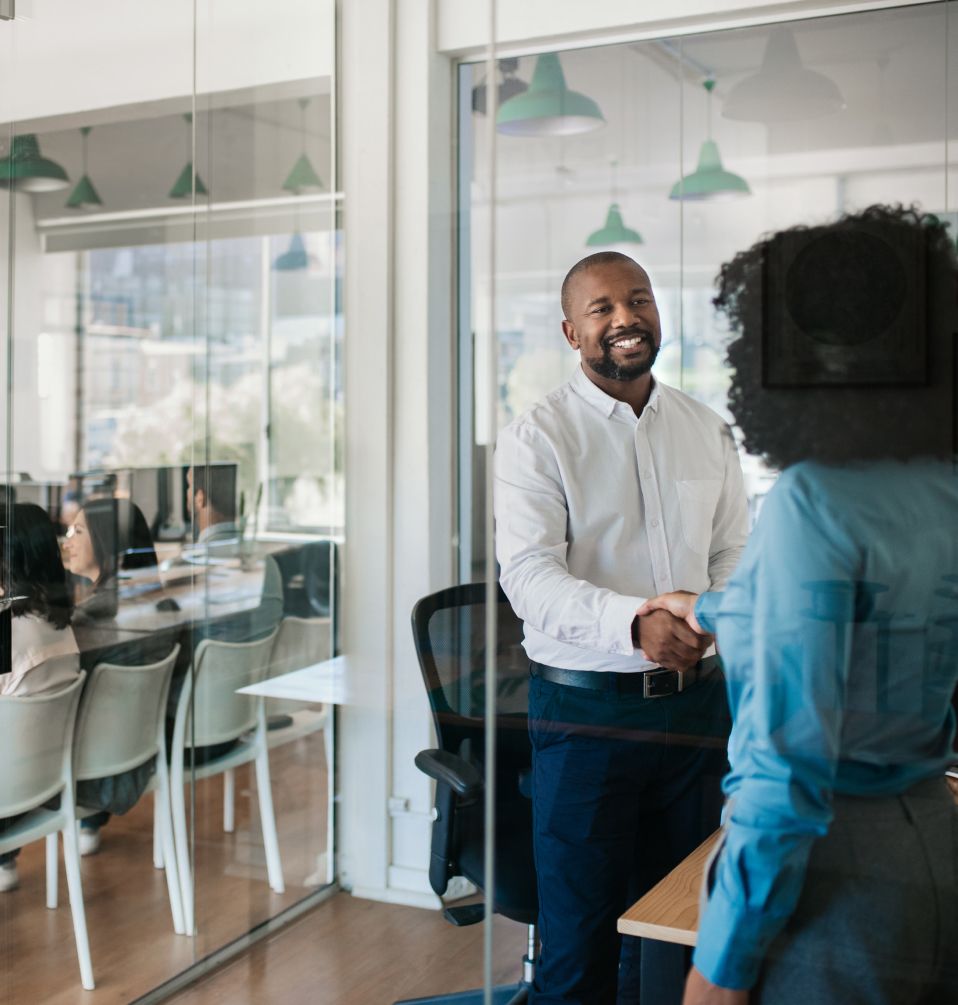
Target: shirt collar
pixel 605 403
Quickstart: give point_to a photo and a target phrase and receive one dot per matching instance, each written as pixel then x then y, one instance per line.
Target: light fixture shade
pixel 303 178
pixel 784 89
pixel 295 257
pixel 84 195
pixel 614 231
pixel 709 180
pixel 548 107
pixel 27 170
pixel 183 186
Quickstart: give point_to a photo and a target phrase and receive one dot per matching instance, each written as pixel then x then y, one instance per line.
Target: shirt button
pixel 655 522
pixel 646 473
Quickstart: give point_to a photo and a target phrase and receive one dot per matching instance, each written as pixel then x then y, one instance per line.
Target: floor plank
pixel 356 952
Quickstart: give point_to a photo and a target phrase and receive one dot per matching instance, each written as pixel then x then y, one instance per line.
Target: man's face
pixel 613 321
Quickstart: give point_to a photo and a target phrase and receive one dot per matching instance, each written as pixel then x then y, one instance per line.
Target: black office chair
pixel 449 630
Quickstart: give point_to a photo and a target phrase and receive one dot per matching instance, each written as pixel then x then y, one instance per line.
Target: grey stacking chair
pixel 121 724
pixel 36 751
pixel 218 715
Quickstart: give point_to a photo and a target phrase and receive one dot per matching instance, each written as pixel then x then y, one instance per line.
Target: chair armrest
pixel 451 769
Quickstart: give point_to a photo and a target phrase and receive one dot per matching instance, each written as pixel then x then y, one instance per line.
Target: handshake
pixel 666 630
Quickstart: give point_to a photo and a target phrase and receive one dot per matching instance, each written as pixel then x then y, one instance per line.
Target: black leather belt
pixel 649 683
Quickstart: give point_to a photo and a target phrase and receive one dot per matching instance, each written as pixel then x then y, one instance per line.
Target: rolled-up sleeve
pixel 531 545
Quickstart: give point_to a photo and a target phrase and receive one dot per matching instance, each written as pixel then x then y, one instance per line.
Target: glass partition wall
pixel 871 126
pixel 680 152
pixel 172 423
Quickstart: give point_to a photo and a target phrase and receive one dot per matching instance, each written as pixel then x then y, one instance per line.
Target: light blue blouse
pixel 839 633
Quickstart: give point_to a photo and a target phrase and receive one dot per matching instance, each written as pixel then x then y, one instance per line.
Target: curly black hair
pixel 34 569
pixel 837 423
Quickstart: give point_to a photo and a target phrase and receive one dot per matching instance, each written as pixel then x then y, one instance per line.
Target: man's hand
pixel 681 603
pixel 668 641
pixel 699 991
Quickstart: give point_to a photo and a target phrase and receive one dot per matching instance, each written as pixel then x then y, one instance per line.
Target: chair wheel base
pixel 467 914
pixel 505 994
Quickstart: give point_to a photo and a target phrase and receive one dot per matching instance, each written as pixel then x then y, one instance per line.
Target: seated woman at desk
pixel 110 541
pixel 109 538
pixel 42 649
pixel 838 877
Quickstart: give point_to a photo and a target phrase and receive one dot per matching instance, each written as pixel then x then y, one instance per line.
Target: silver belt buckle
pixel 649 691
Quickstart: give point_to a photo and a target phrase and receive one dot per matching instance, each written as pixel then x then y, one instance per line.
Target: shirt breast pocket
pixel 698 498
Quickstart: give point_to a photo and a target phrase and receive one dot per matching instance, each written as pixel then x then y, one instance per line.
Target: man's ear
pixel 568 329
pixel 199 498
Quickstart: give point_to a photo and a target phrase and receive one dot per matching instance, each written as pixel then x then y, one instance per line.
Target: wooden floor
pixel 357 952
pixel 131 934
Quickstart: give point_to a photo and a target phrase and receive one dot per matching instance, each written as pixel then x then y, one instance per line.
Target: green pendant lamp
pixel 614 231
pixel 303 179
pixel 548 107
pixel 709 180
pixel 84 196
pixel 27 170
pixel 295 257
pixel 183 187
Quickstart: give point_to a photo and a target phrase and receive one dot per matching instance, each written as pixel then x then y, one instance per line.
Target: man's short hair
pixel 589 262
pixel 217 482
pixel 854 420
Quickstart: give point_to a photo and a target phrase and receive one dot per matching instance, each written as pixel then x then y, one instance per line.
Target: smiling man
pixel 609 487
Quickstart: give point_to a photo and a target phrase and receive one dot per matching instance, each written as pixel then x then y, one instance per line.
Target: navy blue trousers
pixel 624 788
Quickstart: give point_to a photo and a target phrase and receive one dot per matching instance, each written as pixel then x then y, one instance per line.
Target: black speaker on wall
pixel 844 308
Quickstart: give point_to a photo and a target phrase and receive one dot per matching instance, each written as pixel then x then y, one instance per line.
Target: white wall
pixel 60 57
pixel 463 27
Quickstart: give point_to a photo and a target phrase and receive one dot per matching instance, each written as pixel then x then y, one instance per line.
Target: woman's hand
pixel 699 991
pixel 681 604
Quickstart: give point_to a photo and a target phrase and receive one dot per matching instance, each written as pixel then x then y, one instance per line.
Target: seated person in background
pixel 110 539
pixel 210 499
pixel 838 877
pixel 43 650
pixel 212 507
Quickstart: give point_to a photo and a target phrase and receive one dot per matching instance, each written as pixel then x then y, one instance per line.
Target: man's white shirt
pixel 597 510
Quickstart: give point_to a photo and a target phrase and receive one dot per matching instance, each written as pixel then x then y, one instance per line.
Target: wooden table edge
pixel 690 867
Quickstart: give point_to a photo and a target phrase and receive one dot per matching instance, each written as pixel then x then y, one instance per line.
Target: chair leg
pixel 71 859
pixel 274 867
pixel 52 871
pixel 163 823
pixel 181 845
pixel 158 859
pixel 229 801
pixel 328 736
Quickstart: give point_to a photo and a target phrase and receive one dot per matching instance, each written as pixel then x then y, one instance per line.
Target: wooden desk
pixel 669 912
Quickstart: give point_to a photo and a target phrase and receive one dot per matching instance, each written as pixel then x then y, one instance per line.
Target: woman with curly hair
pixel 837 880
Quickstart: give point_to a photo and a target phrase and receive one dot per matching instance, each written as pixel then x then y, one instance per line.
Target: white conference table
pixel 327 682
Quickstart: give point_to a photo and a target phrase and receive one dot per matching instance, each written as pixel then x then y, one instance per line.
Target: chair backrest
pixel 36 743
pixel 120 715
pixel 220 668
pixel 449 630
pixel 450 635
pixel 300 642
pixel 309 578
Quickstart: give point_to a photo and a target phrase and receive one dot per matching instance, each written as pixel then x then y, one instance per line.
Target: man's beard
pixel 606 366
